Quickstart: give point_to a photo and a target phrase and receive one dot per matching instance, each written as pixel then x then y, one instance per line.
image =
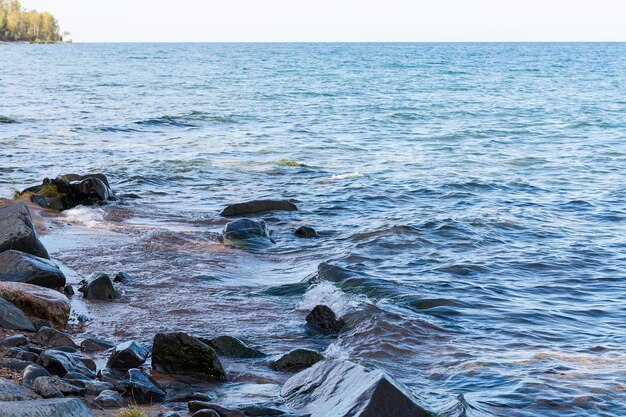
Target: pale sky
pixel 338 20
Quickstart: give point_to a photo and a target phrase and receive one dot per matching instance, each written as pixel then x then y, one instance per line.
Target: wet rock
pixel 110 399
pixel 34 348
pixel 344 389
pixel 232 347
pixel 257 206
pixel 110 375
pixel 99 287
pixel 324 319
pixel 21 354
pixel 61 363
pixel 68 290
pixel 90 191
pixel 10 391
pixel 16 266
pixel 195 406
pixel 206 413
pixel 90 387
pixel 15 340
pixel 306 232
pixel 7 120
pixel 13 318
pixel 170 414
pixel 37 301
pixel 32 372
pixel 179 353
pixel 50 203
pixel 76 177
pixel 128 355
pixel 244 232
pixel 141 388
pixel 49 337
pixel 89 363
pixel 95 345
pixel 261 411
pixel 56 407
pixel 17 231
pixel 192 396
pixel 77 376
pixel 296 360
pixel 123 277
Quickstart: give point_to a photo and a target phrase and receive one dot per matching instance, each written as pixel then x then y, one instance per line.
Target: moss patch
pixel 289 163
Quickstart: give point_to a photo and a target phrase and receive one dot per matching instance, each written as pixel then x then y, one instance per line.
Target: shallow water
pixel 471 202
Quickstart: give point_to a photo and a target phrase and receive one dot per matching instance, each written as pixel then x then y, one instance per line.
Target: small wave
pixel 189 120
pixel 349 176
pixel 86 216
pixel 328 294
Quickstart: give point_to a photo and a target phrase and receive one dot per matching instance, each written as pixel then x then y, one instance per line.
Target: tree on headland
pixel 18 24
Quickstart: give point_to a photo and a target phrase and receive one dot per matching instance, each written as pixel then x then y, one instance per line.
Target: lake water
pixel 471 201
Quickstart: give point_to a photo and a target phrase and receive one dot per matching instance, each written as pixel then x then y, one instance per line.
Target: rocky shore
pixel 48 368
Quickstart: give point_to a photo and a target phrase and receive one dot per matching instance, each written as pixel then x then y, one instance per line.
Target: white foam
pixel 336 351
pixel 327 294
pixel 349 176
pixel 86 216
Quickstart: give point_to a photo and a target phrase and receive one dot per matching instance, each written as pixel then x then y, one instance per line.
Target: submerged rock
pixel 123 277
pixel 17 231
pixel 10 391
pixel 296 360
pixel 128 355
pixel 257 206
pixel 37 301
pixel 99 287
pixel 141 388
pixel 95 345
pixel 179 353
pixel 16 266
pixel 344 389
pixel 246 232
pixel 323 318
pixel 65 407
pixel 195 406
pixel 306 232
pixel 13 318
pixel 232 347
pixel 49 337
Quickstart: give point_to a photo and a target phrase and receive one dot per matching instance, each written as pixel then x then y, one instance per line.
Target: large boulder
pixel 246 233
pixel 16 266
pixel 179 353
pixel 13 318
pixel 128 355
pixel 323 318
pixel 17 231
pixel 10 391
pixel 140 387
pixel 344 389
pixel 99 287
pixel 296 360
pixel 37 301
pixel 257 206
pixel 65 407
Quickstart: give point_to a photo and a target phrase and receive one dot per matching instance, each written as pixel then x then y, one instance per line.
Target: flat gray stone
pixel 13 318
pixel 10 391
pixel 57 407
pixel 17 266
